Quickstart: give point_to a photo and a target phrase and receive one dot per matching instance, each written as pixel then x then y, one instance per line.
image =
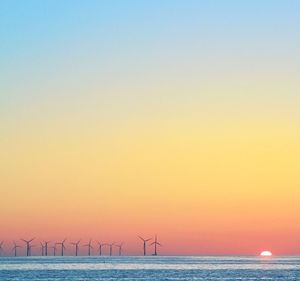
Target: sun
pixel 265 254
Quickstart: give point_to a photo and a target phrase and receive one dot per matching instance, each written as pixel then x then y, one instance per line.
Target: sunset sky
pixel 125 118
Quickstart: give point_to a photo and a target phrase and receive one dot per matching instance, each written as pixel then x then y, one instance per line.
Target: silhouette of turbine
pixel 111 248
pixel 46 247
pixel 42 248
pixel 28 246
pixel 120 248
pixel 100 245
pixel 155 243
pixel 144 243
pixel 89 245
pixel 76 244
pixel 62 243
pixel 1 247
pixel 15 247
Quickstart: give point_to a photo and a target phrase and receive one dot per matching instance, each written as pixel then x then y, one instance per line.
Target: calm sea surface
pixel 149 268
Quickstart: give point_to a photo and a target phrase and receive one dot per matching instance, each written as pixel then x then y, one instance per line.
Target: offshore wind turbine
pixel 111 248
pixel 120 248
pixel 144 243
pixel 1 247
pixel 46 247
pixel 155 243
pixel 28 246
pixel 62 243
pixel 42 248
pixel 15 247
pixel 76 244
pixel 100 245
pixel 89 245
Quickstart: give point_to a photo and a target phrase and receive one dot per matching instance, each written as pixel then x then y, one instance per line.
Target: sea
pixel 156 268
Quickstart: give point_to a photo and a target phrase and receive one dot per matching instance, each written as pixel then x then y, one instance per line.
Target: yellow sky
pixel 224 178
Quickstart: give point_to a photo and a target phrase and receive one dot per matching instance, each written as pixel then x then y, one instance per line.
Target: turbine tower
pixel 46 247
pixel 62 243
pixel 144 243
pixel 76 244
pixel 28 246
pixel 42 248
pixel 15 247
pixel 1 247
pixel 155 243
pixel 89 245
pixel 100 247
pixel 111 248
pixel 120 248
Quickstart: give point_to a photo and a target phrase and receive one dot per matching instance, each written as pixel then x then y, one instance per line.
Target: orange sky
pixel 226 188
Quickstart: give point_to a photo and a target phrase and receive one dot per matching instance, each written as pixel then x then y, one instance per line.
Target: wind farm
pixel 73 248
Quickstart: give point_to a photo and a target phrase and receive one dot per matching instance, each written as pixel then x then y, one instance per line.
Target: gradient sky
pixel 125 118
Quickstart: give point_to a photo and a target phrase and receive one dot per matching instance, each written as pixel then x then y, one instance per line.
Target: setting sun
pixel 266 254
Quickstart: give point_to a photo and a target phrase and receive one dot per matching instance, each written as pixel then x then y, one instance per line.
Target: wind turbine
pixel 28 246
pixel 89 245
pixel 42 248
pixel 62 243
pixel 15 247
pixel 46 247
pixel 155 243
pixel 76 244
pixel 120 248
pixel 1 247
pixel 110 248
pixel 145 242
pixel 100 248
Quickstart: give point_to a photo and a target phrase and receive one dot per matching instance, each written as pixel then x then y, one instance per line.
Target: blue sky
pixel 52 48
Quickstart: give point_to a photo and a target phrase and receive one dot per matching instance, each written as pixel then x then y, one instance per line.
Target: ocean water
pixel 149 268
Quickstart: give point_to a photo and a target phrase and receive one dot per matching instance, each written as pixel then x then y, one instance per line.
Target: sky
pixel 175 118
